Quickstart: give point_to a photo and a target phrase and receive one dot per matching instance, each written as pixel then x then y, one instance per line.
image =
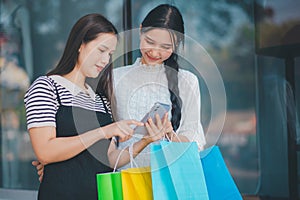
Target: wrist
pixel 171 136
pixel 145 141
pixel 101 131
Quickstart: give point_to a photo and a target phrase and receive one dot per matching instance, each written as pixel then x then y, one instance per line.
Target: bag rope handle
pixel 174 133
pixel 132 162
pixel 119 156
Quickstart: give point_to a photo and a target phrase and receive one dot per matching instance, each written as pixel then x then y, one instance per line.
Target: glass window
pixel 46 30
pixel 277 47
pixel 297 97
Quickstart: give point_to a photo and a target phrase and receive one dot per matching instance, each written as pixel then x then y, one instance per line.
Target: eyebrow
pixel 164 44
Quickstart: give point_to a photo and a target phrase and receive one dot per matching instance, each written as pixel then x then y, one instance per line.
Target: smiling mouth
pixel 152 58
pixel 99 67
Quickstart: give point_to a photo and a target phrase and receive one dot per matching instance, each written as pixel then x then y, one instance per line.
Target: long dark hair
pixel 168 17
pixel 86 29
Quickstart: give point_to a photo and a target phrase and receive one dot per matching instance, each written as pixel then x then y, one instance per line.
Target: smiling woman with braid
pixel 156 77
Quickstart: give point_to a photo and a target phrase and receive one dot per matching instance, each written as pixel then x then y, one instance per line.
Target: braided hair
pixel 168 17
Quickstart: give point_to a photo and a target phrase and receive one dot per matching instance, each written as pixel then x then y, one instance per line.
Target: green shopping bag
pixel 109 185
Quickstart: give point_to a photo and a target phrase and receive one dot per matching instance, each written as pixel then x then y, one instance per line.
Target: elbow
pixel 43 160
pixel 111 160
pixel 43 157
pixel 115 160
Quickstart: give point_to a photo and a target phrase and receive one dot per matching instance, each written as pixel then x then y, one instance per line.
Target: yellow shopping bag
pixel 137 183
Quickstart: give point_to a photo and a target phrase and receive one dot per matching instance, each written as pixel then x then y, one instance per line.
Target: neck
pixel 77 78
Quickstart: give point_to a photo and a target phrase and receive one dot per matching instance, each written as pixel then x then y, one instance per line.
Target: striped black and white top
pixel 41 100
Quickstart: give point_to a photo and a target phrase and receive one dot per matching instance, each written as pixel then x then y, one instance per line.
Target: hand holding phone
pixel 157 108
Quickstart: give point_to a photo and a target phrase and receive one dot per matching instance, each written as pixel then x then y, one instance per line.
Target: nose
pixel 105 59
pixel 155 52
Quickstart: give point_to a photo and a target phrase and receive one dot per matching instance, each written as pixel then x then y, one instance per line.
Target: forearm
pixel 58 149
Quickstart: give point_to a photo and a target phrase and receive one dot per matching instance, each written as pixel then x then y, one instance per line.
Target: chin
pixel 95 75
pixel 149 62
pixel 154 63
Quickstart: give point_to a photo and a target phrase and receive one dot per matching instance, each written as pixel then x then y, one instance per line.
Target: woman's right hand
pixel 122 129
pixel 40 169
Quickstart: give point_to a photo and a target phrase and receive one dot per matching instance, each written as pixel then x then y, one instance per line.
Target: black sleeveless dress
pixel 75 179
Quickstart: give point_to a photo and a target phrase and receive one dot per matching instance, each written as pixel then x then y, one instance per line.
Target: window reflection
pixel 44 32
pixel 16 71
pixel 275 19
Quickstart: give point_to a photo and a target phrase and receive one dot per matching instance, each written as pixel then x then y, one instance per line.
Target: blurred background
pixel 253 43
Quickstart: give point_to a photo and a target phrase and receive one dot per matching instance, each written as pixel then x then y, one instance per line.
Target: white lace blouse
pixel 138 87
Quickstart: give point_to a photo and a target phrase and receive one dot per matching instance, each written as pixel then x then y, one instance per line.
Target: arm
pixel 156 132
pixel 49 148
pixel 190 126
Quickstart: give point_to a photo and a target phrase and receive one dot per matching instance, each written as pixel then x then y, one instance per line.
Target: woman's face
pixel 156 46
pixel 95 55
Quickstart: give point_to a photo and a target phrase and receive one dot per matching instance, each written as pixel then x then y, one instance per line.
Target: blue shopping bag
pixel 219 182
pixel 176 171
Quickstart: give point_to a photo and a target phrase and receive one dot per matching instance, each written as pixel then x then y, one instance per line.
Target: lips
pixel 153 59
pixel 99 68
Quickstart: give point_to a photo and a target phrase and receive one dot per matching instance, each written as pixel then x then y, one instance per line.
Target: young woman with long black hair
pixel 70 124
pixel 156 77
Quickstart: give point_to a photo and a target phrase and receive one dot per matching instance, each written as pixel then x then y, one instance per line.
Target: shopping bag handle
pixel 119 156
pixel 132 162
pixel 174 133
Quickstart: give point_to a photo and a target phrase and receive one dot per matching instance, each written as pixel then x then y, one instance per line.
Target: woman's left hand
pixel 158 130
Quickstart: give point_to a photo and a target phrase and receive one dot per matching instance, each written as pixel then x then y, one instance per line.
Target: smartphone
pixel 157 108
